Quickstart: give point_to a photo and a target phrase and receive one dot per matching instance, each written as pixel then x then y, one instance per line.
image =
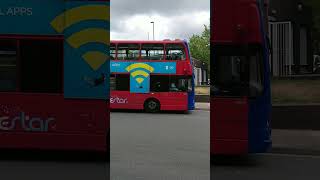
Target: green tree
pixel 315 5
pixel 200 45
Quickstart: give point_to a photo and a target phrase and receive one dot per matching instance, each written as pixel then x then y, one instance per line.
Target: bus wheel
pixel 152 106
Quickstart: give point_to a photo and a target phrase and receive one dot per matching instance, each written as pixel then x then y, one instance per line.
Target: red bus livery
pixel 26 123
pixel 240 92
pixel 151 75
pixel 50 53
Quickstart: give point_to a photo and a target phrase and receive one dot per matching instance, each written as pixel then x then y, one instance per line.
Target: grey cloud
pixel 177 11
pixel 120 8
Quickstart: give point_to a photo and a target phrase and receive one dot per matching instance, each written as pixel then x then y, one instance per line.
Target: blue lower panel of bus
pixel 259 126
pixel 191 101
pixel 261 142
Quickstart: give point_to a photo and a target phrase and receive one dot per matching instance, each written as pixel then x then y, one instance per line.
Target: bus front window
pixel 238 73
pixel 180 84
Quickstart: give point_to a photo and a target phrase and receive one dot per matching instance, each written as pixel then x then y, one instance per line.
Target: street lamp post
pixel 152 28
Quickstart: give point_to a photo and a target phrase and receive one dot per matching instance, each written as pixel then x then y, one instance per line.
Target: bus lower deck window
pixel 46 76
pixel 35 68
pixel 8 65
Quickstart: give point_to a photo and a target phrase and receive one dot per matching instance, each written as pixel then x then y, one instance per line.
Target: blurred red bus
pixel 53 86
pixel 240 92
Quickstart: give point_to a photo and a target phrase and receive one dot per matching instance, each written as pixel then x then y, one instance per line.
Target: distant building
pixel 201 72
pixel 290 37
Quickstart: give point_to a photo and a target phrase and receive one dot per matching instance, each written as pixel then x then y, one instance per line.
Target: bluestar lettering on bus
pixel 117 100
pixel 27 123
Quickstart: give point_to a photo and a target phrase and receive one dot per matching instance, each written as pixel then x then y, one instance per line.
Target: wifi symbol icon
pixel 98 12
pixel 140 71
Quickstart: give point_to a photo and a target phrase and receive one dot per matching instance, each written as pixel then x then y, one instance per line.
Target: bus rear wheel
pixel 152 106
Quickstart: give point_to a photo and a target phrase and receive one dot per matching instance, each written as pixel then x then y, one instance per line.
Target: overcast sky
pixel 130 19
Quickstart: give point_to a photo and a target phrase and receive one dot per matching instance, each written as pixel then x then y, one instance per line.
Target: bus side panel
pixel 86 63
pixel 174 101
pixel 39 121
pixel 125 100
pixel 229 126
pixel 168 101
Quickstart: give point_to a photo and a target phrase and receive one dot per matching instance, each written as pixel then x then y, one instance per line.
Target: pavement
pixel 295 155
pixel 202 98
pixel 202 106
pixel 300 117
pixel 300 142
pixel 296 128
pixel 267 167
pixel 287 116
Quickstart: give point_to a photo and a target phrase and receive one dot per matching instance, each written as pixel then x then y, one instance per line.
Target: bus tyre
pixel 152 106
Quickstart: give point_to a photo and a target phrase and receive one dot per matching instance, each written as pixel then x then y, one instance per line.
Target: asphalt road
pixel 170 146
pixel 266 167
pixel 160 146
pixel 53 170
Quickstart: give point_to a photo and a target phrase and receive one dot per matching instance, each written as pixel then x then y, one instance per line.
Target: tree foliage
pixel 200 45
pixel 315 6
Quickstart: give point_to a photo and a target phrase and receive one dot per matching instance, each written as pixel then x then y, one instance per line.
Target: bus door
pixel 178 92
pixel 240 97
pixel 229 128
pixel 230 102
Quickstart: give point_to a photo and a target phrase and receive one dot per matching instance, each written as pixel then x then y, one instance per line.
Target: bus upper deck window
pixel 239 72
pixel 152 52
pixel 175 52
pixel 128 51
pixel 113 52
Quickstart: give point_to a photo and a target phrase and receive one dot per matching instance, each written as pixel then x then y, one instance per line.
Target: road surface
pixel 15 169
pixel 160 146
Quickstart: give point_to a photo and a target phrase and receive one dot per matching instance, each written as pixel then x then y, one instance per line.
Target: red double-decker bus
pixel 53 68
pixel 240 92
pixel 151 75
